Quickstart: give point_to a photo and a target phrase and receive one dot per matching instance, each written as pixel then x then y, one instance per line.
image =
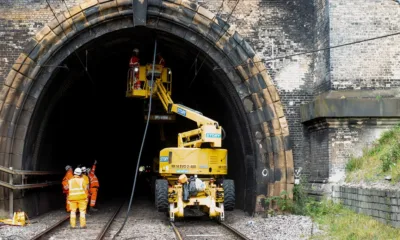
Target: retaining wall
pixel 383 205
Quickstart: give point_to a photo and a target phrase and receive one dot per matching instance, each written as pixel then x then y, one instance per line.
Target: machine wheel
pixel 162 204
pixel 229 194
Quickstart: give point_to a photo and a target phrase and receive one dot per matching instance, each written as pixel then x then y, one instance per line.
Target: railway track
pixel 60 224
pixel 223 231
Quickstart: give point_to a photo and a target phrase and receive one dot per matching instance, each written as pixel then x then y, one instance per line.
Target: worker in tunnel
pixel 94 186
pixel 68 175
pixel 134 68
pixel 84 175
pixel 160 60
pixel 77 196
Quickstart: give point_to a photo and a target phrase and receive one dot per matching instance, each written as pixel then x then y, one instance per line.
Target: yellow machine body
pixel 199 161
pixel 188 157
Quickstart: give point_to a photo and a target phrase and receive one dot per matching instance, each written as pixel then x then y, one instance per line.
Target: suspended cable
pixel 219 34
pixel 76 54
pixel 314 51
pixel 143 140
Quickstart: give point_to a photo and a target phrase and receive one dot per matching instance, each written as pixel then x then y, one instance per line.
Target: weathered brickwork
pixel 276 29
pixel 357 20
pixel 333 141
pixel 322 80
pixel 383 205
pixel 20 20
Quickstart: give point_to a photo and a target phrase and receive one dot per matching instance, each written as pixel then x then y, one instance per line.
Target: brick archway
pixel 269 162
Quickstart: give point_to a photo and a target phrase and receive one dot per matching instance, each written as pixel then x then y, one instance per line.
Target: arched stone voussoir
pixel 266 126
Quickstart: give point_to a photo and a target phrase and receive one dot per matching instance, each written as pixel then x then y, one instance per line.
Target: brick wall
pixel 333 141
pixel 383 205
pixel 275 29
pixel 321 38
pixel 19 20
pixel 369 65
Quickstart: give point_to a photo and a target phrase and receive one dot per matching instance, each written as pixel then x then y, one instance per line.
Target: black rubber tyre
pixel 229 194
pixel 161 197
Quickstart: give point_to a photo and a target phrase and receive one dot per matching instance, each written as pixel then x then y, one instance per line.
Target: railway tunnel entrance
pixel 90 118
pixel 55 116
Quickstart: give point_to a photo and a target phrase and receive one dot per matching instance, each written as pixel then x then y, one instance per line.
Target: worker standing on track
pixel 77 196
pixel 160 60
pixel 68 175
pixel 94 186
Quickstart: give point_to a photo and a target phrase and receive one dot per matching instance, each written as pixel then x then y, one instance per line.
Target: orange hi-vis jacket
pixel 78 189
pixel 94 181
pixel 65 180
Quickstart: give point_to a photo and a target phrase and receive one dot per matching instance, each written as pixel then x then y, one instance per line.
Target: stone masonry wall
pixel 275 29
pixel 369 65
pixel 333 141
pixel 383 205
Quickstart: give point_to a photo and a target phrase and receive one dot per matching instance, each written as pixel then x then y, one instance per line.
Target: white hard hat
pixel 78 171
pixel 88 170
pixel 83 169
pixel 135 50
pixel 67 167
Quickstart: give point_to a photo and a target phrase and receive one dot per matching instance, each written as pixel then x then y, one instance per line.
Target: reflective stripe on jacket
pixel 94 181
pixel 77 189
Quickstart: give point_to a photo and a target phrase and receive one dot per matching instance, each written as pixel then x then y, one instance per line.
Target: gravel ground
pixel 282 227
pixel 144 222
pixel 38 224
pixel 197 228
pixel 95 222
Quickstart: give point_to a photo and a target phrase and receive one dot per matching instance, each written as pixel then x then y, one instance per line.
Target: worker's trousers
pixel 82 204
pixel 93 196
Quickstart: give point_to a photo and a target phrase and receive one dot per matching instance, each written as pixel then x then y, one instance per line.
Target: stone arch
pixel 269 162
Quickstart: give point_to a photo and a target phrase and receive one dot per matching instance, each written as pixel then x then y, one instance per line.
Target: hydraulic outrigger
pixel 204 187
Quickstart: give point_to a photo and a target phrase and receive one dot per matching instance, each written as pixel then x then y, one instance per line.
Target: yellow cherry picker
pixel 192 174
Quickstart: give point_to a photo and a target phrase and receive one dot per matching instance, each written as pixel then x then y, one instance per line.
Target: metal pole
pixel 11 196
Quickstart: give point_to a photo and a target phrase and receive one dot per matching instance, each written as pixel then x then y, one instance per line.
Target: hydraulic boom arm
pixel 208 130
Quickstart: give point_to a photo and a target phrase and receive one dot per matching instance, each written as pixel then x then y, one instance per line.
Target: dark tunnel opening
pixel 94 120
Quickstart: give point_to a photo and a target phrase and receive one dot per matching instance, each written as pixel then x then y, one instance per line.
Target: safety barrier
pixel 23 173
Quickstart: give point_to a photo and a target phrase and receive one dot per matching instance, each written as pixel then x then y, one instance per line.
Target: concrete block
pixel 108 8
pixel 393 201
pixel 42 33
pixel 89 3
pixel 267 78
pixel 395 224
pixel 18 146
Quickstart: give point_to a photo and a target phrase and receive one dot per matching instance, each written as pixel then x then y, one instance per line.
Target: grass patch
pixel 336 221
pixel 341 223
pixel 382 159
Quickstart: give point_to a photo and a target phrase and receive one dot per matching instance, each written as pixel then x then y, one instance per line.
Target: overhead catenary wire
pixel 80 60
pixel 314 51
pixel 76 54
pixel 143 140
pixel 205 57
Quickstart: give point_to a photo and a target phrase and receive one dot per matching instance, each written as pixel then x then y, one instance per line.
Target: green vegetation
pixel 338 222
pixel 335 221
pixel 382 159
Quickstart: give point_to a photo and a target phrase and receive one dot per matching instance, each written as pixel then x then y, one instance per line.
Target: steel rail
pixel 107 226
pixel 38 236
pixel 176 231
pixel 236 232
